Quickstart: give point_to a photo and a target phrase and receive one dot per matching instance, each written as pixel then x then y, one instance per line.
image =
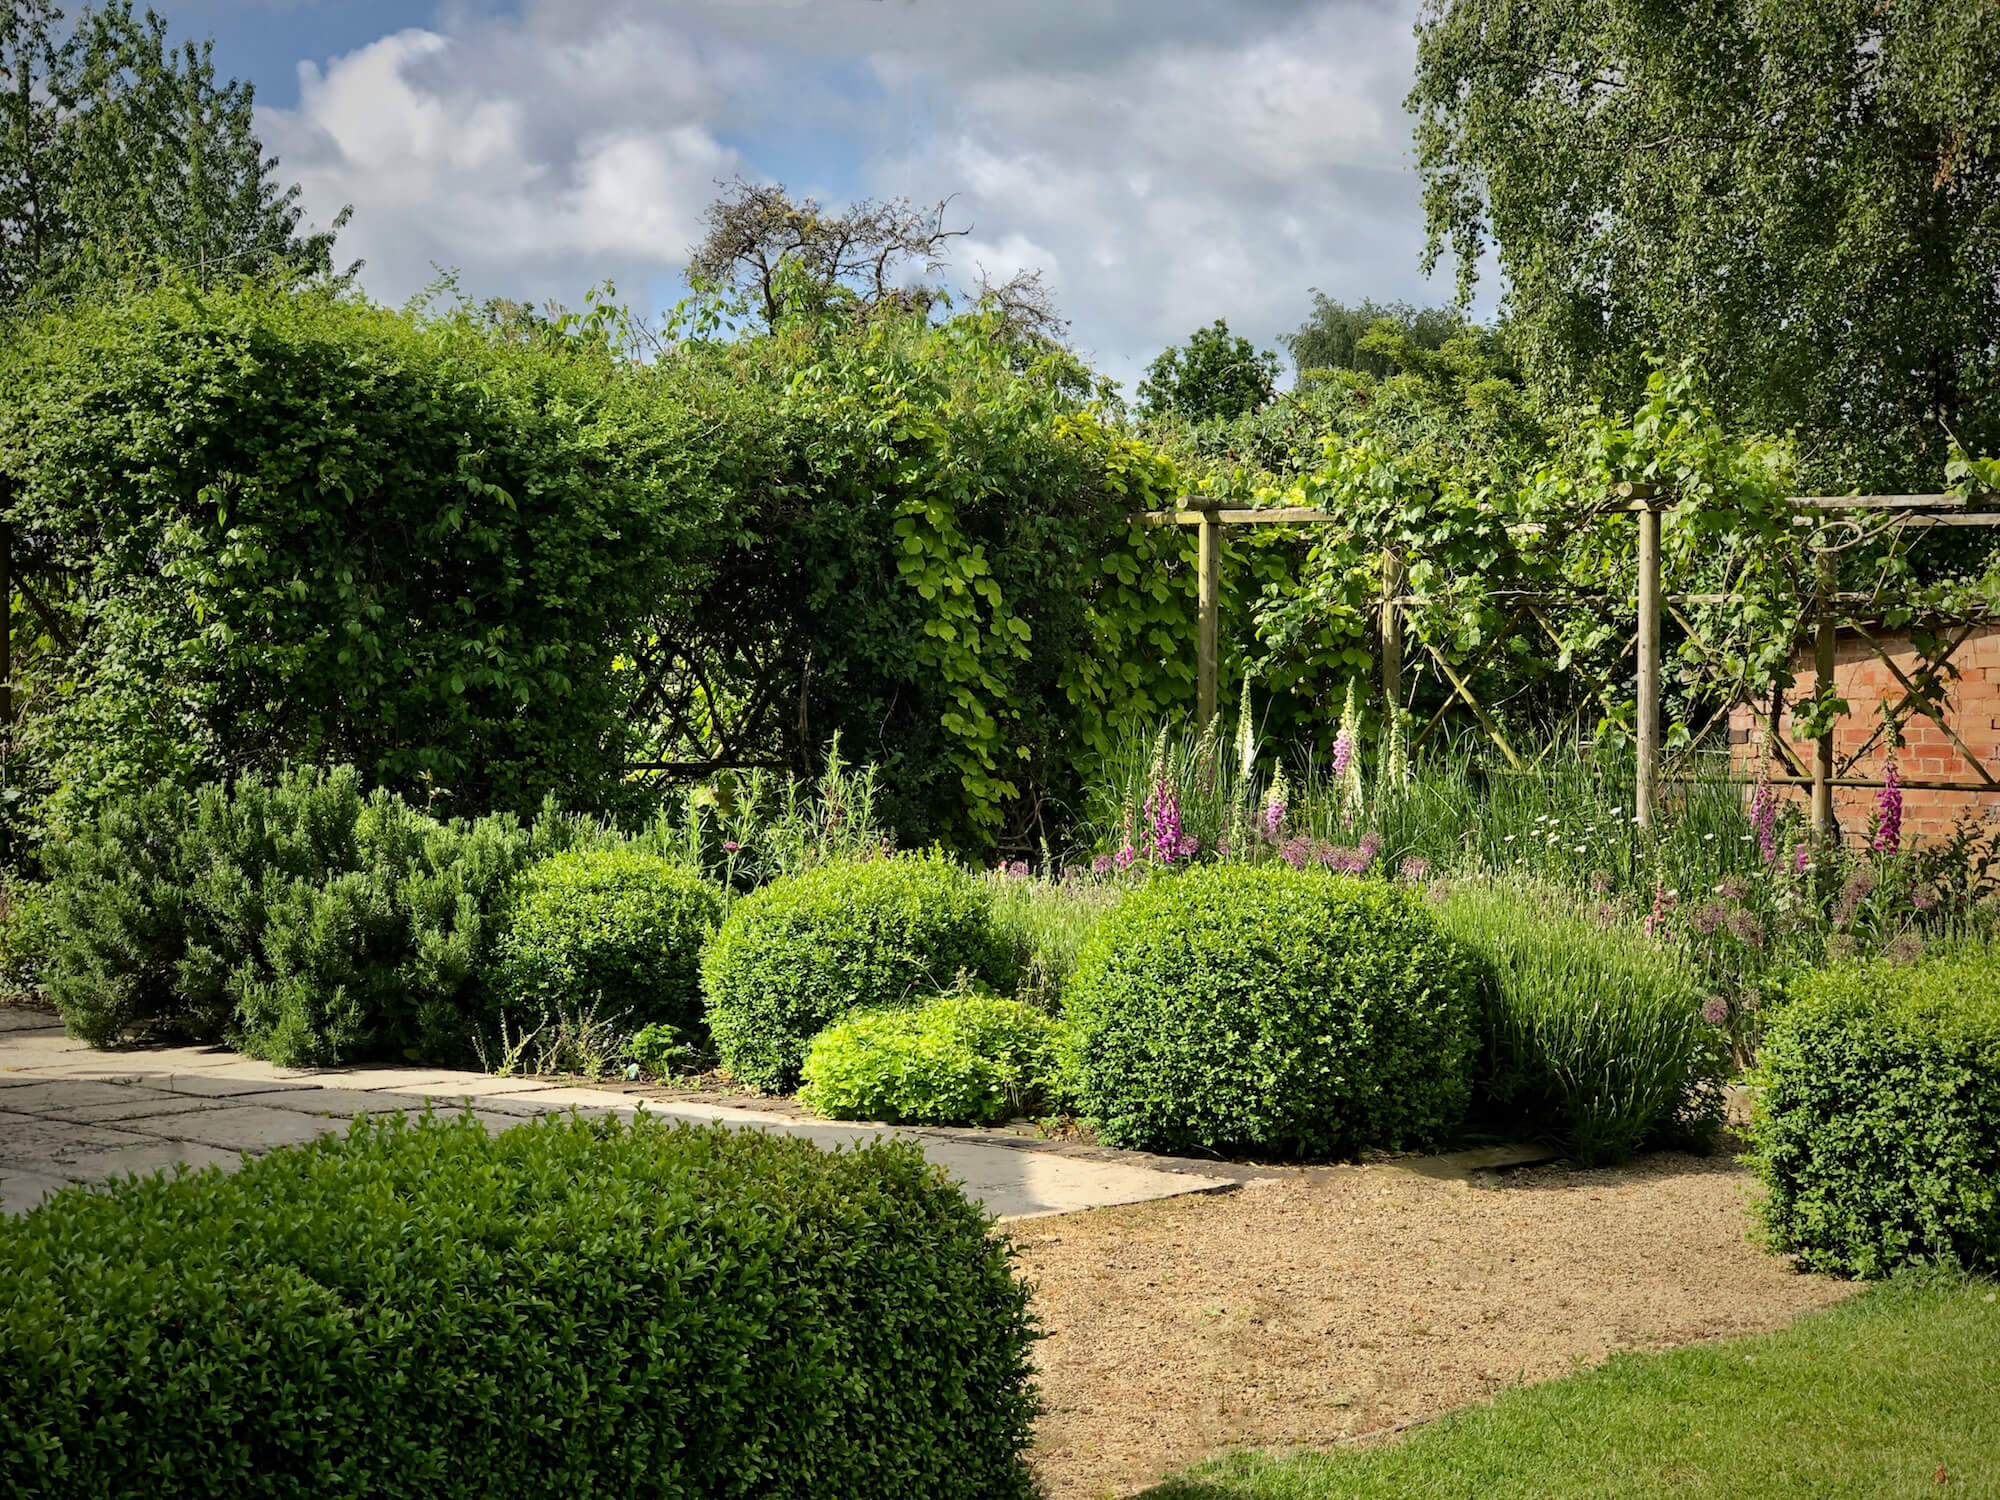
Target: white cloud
pixel 1165 162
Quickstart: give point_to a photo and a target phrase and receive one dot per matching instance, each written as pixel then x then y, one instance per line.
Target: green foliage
pixel 920 563
pixel 1807 197
pixel 270 530
pixel 25 937
pixel 1334 337
pixel 1214 377
pixel 1879 1395
pixel 1594 1032
pixel 574 1308
pixel 662 1052
pixel 613 927
pixel 1263 1009
pixel 962 1059
pixel 121 153
pixel 299 919
pixel 1877 1122
pixel 1044 924
pixel 804 951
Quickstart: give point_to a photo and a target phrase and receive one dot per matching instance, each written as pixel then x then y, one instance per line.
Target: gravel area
pixel 1340 1304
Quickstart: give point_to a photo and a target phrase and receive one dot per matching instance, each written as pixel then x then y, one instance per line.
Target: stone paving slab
pixel 71 1115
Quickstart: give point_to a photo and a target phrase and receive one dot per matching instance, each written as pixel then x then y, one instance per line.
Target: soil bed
pixel 1330 1304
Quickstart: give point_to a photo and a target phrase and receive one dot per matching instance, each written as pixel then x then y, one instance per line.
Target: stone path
pixel 72 1115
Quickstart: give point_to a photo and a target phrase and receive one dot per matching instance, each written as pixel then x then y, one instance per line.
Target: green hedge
pixel 1594 1032
pixel 804 951
pixel 575 1310
pixel 959 1060
pixel 298 919
pixel 1270 1010
pixel 1876 1128
pixel 302 528
pixel 614 929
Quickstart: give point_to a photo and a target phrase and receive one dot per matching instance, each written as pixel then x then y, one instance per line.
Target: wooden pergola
pixel 1650 502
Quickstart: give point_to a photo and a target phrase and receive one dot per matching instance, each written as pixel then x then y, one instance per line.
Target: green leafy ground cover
pixel 1889 1394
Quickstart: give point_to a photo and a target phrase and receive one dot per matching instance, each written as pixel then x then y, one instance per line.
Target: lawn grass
pixel 1877 1397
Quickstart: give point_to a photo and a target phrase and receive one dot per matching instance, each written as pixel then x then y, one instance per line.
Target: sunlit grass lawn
pixel 1895 1392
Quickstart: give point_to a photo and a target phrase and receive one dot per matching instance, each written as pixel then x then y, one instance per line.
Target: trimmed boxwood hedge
pixel 1265 1009
pixel 804 951
pixel 1876 1127
pixel 958 1060
pixel 614 928
pixel 574 1309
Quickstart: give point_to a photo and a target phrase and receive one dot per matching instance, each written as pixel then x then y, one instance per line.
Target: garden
pixel 838 696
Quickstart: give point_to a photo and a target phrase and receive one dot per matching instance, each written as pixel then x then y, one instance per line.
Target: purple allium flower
pixel 1746 927
pixel 1104 864
pixel 1709 917
pixel 1018 870
pixel 1922 900
pixel 1297 852
pixel 1187 846
pixel 1733 889
pixel 1715 1011
pixel 1889 811
pixel 1415 868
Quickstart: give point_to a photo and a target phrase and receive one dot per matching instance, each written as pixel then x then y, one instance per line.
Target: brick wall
pixel 1972 710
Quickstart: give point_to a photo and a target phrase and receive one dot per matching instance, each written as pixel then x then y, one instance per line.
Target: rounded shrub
pixel 613 928
pixel 1270 1010
pixel 1876 1125
pixel 959 1060
pixel 804 951
pixel 579 1308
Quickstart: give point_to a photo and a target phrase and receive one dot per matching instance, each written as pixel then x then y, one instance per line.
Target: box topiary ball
pixel 612 928
pixel 1271 1011
pixel 797 955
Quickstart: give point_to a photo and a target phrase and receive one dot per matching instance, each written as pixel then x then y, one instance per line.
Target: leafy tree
pixel 1804 194
pixel 260 529
pixel 1331 338
pixel 120 152
pixel 1215 376
pixel 783 256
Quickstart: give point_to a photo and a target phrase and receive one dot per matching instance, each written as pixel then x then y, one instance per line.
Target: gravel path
pixel 1336 1303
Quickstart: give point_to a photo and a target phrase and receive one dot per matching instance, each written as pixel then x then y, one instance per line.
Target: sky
pixel 1162 162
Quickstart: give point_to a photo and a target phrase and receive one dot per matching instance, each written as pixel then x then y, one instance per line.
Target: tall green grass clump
pixel 1044 925
pixel 1595 1033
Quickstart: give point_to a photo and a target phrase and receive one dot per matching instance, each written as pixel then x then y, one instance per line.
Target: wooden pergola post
pixel 1825 653
pixel 1647 782
pixel 1395 577
pixel 1208 585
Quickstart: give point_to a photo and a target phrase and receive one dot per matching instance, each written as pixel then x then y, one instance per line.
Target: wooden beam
pixel 1209 603
pixel 1395 574
pixel 1647 781
pixel 1825 654
pixel 1879 502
